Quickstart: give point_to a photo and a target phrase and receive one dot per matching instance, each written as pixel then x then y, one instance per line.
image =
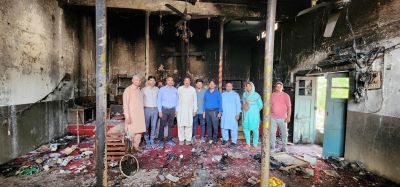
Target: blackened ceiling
pixel 285 8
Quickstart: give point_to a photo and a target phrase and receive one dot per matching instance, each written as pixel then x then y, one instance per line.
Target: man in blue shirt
pixel 167 101
pixel 212 111
pixel 198 118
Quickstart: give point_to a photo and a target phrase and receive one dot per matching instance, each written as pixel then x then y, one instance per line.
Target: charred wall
pixel 39 60
pixel 372 126
pixel 126 50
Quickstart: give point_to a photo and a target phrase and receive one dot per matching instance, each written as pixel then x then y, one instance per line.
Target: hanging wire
pixel 353 35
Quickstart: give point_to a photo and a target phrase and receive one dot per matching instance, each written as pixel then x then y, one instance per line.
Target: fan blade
pixel 199 17
pixel 330 26
pixel 174 9
pixel 314 8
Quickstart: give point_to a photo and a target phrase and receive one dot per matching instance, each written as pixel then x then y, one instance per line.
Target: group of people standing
pixel 193 106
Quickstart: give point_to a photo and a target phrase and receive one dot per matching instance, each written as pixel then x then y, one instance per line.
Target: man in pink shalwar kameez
pixel 134 112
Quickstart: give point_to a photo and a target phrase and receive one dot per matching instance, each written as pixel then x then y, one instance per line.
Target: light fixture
pixel 183 31
pixel 160 27
pixel 263 34
pixel 208 31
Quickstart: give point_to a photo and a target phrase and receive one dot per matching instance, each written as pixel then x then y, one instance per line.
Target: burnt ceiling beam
pixel 200 8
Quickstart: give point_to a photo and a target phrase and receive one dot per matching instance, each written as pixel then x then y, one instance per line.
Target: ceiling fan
pixel 183 30
pixel 184 15
pixel 334 8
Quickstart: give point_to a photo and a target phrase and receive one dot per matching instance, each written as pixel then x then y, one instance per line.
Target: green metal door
pixel 304 112
pixel 336 106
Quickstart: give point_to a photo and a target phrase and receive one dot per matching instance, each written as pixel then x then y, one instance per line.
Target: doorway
pixel 320 111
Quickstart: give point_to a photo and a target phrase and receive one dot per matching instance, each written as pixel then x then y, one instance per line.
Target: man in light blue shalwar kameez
pixel 231 108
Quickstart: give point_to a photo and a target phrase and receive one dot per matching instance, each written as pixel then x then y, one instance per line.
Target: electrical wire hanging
pixel 353 35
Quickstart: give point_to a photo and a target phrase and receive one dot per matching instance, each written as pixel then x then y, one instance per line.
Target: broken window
pixel 305 87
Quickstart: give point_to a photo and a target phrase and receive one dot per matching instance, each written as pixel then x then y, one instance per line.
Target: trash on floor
pixel 183 166
pixel 236 155
pixel 308 172
pixel 69 150
pixel 63 154
pixel 112 163
pixel 288 161
pixel 53 147
pixel 310 159
pixel 331 173
pixel 172 178
pixel 337 162
pixel 275 182
pixel 223 164
pixel 29 170
pixel 253 181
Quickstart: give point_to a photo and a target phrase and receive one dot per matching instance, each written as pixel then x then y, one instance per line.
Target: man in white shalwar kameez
pixel 186 109
pixel 231 108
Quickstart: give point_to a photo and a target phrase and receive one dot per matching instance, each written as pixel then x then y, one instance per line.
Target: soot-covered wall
pixel 126 50
pixel 373 126
pixel 41 45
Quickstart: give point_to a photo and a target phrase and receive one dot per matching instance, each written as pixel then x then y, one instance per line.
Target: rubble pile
pixel 63 155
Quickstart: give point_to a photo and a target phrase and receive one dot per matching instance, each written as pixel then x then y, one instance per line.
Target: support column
pixel 221 53
pixel 147 37
pixel 101 92
pixel 268 69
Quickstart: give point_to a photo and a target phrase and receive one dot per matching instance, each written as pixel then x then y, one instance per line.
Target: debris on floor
pixel 288 161
pixel 275 182
pixel 310 159
pixel 112 163
pixel 309 172
pixel 172 178
pixel 236 155
pixel 202 178
pixel 69 159
pixel 252 180
pixel 29 170
pixel 196 165
pixel 331 173
pixel 223 163
pixel 142 178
